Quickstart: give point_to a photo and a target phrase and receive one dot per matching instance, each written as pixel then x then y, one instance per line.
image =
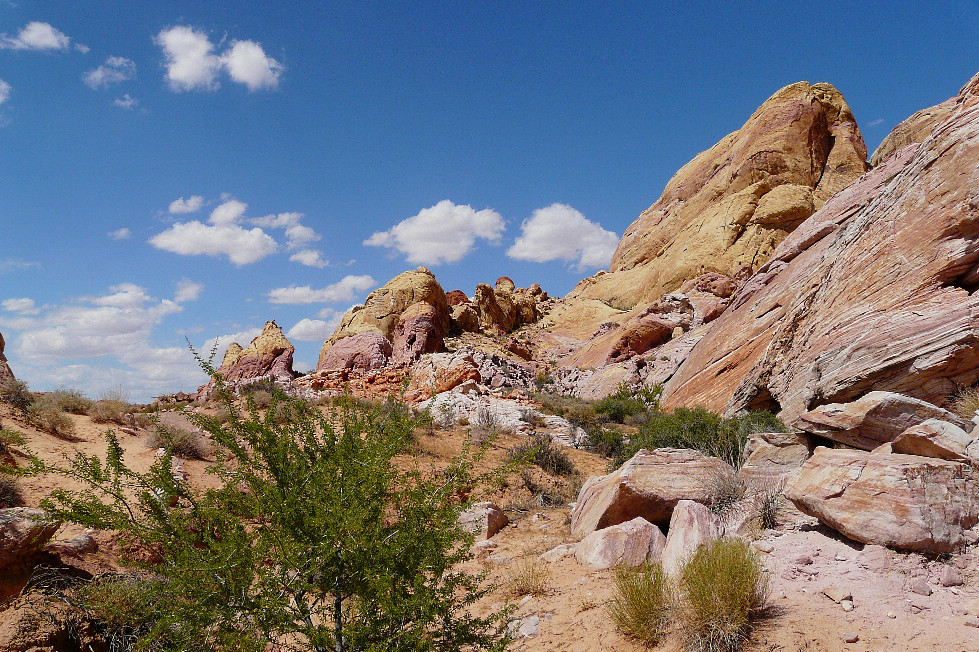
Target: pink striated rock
pixel 367 350
pixel 632 543
pixel 691 526
pixel 648 485
pixel 419 330
pixel 935 438
pixel 440 372
pixel 900 501
pixel 719 285
pixel 23 533
pixel 875 291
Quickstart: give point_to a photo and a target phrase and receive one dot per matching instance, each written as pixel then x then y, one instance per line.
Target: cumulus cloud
pixel 120 234
pixel 35 36
pixel 113 71
pixel 444 233
pixel 126 102
pixel 222 236
pixel 4 91
pixel 343 290
pixel 299 235
pixel 188 290
pixel 190 205
pixel 311 330
pixel 22 306
pixel 248 64
pixel 192 63
pixel 559 232
pixel 309 257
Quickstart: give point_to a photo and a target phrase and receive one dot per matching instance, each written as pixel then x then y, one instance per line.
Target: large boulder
pixel 733 204
pixel 900 501
pixel 691 526
pixel 23 534
pixel 367 350
pixel 875 291
pixel 483 519
pixel 875 419
pixel 268 354
pixel 440 372
pixel 941 439
pixel 632 543
pixel 772 456
pixel 383 308
pixel 5 371
pixel 649 485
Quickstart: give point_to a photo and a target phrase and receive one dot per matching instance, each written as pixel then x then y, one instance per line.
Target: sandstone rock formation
pixel 771 456
pixel 420 329
pixel 5 371
pixel 912 130
pixel 367 350
pixel 440 372
pixel 631 543
pixel 648 485
pixel 875 419
pixel 384 307
pixel 733 204
pixel 900 501
pixel 876 291
pixel 940 439
pixel 691 526
pixel 269 354
pixel 23 533
pixel 483 519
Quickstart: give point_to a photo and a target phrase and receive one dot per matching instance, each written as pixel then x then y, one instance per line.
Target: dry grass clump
pixel 10 493
pixel 965 402
pixel 71 401
pixel 641 604
pixel 542 452
pixel 725 492
pixel 109 411
pixel 15 393
pixel 45 414
pixel 723 587
pixel 185 444
pixel 529 577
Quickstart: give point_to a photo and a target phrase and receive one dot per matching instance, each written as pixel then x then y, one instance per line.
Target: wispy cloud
pixel 113 71
pixel 346 289
pixel 35 36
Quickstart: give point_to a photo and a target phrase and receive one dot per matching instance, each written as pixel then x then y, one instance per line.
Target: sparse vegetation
pixel 725 491
pixel 10 493
pixel 122 607
pixel 109 411
pixel 965 402
pixel 640 606
pixel 532 417
pixel 180 442
pixel 529 577
pixel 16 393
pixel 770 504
pixel 628 401
pixel 45 414
pixel 723 587
pixel 607 442
pixel 9 438
pixel 542 452
pixel 71 401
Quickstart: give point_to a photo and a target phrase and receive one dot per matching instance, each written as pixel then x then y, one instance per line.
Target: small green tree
pixel 313 538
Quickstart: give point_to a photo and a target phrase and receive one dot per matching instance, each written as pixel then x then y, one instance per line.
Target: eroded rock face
pixel 384 307
pixel 649 485
pixel 875 419
pixel 733 204
pixel 483 519
pixel 367 350
pixel 420 330
pixel 5 371
pixel 23 533
pixel 440 372
pixel 269 354
pixel 935 438
pixel 632 543
pixel 900 501
pixel 875 291
pixel 772 456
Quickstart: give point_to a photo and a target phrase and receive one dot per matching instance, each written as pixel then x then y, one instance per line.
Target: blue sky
pixel 192 169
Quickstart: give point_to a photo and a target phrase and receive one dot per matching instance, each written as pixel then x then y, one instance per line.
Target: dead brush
pixel 529 577
pixel 965 402
pixel 185 444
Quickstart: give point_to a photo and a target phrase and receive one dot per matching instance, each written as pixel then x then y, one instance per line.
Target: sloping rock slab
pixel 632 543
pixel 648 485
pixel 771 456
pixel 900 501
pixel 934 438
pixel 875 419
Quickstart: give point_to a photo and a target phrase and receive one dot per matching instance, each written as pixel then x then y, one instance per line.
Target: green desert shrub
pixel 641 602
pixel 628 401
pixel 45 414
pixel 15 393
pixel 108 410
pixel 542 452
pixel 71 401
pixel 9 438
pixel 723 587
pixel 180 442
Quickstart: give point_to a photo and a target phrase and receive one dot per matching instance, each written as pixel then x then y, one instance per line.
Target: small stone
pixel 851 637
pixel 837 595
pixel 847 605
pixel 950 577
pixel 803 560
pixel 891 615
pixel 763 546
pixel 972 622
pixel 526 599
pixel 841 557
pixel 919 586
pixel 528 626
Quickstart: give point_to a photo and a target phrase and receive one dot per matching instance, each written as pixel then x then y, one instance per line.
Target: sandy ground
pixel 803 560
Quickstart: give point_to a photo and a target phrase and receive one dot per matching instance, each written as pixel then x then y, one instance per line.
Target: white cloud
pixel 35 36
pixel 443 233
pixel 4 91
pixel 299 235
pixel 84 49
pixel 190 205
pixel 559 232
pixel 21 306
pixel 241 246
pixel 126 102
pixel 223 236
pixel 188 290
pixel 248 64
pixel 221 343
pixel 113 71
pixel 343 290
pixel 309 257
pixel 280 221
pixel 120 234
pixel 124 295
pixel 191 63
pixel 311 330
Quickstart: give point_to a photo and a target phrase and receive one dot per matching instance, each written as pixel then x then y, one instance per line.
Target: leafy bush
pixel 578 411
pixel 45 414
pixel 626 402
pixel 122 607
pixel 604 441
pixel 312 538
pixel 965 402
pixel 701 430
pixel 9 438
pixel 640 605
pixel 71 401
pixel 542 452
pixel 15 393
pixel 723 587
